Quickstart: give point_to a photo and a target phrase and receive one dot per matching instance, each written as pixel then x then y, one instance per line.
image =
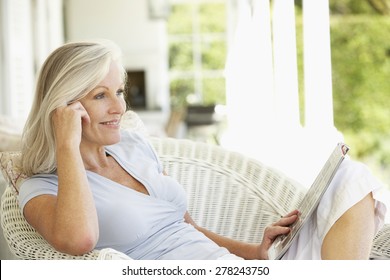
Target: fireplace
pixel 136 89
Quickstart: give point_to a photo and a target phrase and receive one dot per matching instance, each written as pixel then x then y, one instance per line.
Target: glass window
pixel 197 51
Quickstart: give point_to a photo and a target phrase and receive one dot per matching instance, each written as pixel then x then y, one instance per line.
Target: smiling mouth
pixel 111 123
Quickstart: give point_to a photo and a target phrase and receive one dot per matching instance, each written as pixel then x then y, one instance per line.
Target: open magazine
pixel 310 201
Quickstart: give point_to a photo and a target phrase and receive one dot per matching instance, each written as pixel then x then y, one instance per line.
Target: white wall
pixel 17 58
pixel 29 31
pixel 126 22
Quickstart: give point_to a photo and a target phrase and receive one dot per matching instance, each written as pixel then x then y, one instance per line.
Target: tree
pixel 381 6
pixel 356 7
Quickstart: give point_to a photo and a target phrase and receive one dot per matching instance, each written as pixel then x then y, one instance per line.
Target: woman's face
pixel 105 105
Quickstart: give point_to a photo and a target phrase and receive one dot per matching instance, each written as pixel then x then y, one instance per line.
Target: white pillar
pixel 285 64
pixel 249 70
pixel 250 83
pixel 317 65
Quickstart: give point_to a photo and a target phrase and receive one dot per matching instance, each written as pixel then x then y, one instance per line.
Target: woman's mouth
pixel 111 123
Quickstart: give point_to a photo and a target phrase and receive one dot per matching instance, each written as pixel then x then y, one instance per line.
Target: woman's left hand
pixel 272 231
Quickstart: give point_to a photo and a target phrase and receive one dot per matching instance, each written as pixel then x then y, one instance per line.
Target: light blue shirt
pixel 139 225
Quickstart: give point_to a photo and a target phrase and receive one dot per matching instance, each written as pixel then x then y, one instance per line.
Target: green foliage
pixel 213 55
pixel 361 87
pixel 212 17
pixel 350 7
pixel 180 56
pixel 180 89
pixel 180 19
pixel 197 52
pixel 214 91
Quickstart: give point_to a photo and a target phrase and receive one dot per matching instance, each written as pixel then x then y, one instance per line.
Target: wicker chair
pixel 228 193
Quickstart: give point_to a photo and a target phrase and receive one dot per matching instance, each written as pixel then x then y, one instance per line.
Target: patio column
pixel 317 65
pixel 249 69
pixel 285 64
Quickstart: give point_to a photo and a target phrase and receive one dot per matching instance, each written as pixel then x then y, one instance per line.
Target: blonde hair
pixel 68 74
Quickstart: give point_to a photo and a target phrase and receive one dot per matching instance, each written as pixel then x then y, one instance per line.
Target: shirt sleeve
pixel 37 185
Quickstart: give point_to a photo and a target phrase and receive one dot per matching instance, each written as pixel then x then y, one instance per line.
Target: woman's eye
pixel 99 96
pixel 120 92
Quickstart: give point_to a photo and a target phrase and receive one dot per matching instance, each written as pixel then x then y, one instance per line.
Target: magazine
pixel 310 201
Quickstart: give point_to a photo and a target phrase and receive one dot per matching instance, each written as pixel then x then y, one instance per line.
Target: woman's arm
pixel 67 221
pixel 249 250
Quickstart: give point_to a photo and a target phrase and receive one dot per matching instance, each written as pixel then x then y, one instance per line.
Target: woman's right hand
pixel 67 122
pixel 68 220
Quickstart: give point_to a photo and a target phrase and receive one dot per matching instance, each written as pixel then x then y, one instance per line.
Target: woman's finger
pixel 77 106
pixel 294 212
pixel 287 220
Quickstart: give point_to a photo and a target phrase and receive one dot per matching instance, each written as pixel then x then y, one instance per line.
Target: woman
pixel 93 185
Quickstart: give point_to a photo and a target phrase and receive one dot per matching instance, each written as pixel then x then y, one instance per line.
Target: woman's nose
pixel 118 105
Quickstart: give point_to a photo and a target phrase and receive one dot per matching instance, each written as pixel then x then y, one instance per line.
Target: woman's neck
pixel 94 158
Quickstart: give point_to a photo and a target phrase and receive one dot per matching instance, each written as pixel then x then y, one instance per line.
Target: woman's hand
pixel 280 227
pixel 67 122
pixel 250 250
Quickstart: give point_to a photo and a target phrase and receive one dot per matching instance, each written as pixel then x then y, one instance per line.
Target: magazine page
pixel 310 201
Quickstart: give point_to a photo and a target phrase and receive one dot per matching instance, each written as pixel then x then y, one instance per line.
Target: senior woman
pixel 92 185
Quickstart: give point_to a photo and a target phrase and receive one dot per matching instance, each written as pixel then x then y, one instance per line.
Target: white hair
pixel 68 74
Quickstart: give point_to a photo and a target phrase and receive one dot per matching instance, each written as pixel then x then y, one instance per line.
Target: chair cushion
pixel 10 167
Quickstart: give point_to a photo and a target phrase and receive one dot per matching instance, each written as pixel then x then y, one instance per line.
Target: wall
pixel 126 22
pixel 29 31
pixel 17 58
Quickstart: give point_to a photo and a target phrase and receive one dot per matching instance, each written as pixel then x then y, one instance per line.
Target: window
pixel 197 38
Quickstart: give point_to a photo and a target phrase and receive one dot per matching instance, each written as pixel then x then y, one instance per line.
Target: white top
pixel 139 225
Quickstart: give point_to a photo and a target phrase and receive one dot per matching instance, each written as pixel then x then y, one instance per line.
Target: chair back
pixel 228 193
